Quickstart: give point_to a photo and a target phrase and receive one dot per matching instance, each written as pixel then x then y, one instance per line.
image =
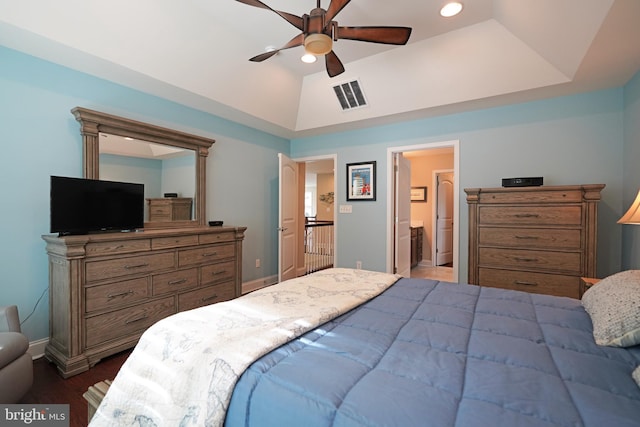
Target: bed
pixel 348 347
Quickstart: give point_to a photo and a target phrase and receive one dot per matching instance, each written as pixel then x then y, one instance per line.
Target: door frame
pixel 455 144
pixel 333 157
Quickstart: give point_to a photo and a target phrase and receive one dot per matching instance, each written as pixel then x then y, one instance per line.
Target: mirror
pixel 168 174
pixel 113 144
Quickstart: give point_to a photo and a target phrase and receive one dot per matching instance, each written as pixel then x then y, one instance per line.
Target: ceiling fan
pixel 319 31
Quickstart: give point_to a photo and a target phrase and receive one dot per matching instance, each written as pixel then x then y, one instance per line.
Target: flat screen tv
pixel 81 206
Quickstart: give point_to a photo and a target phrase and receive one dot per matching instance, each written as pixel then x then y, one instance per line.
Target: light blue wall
pixel 568 140
pixel 631 233
pixel 133 169
pixel 178 176
pixel 175 175
pixel 40 137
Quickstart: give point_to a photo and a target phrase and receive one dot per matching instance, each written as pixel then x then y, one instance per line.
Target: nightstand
pixel 586 283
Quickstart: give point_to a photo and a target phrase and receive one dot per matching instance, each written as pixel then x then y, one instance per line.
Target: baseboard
pixel 254 285
pixel 36 348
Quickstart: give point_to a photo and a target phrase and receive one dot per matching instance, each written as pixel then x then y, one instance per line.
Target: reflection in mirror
pixel 192 181
pixel 164 170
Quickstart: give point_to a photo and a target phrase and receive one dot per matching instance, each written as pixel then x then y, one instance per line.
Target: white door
pixel 287 218
pixel 444 219
pixel 402 224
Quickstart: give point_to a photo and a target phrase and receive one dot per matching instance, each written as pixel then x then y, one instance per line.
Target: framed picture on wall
pixel 418 194
pixel 361 181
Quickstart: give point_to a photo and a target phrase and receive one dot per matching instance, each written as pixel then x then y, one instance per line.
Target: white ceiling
pixel 196 52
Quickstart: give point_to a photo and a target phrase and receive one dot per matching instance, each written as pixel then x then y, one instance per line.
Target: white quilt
pixel 184 368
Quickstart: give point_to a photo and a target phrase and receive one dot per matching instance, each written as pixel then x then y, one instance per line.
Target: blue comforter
pixel 428 353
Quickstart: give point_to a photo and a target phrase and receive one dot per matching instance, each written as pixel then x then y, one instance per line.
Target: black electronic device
pixel 170 195
pixel 81 206
pixel 535 181
pixel 215 223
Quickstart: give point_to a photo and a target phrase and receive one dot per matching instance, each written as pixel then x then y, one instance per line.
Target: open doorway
pixel 319 214
pixel 434 210
pixel 310 198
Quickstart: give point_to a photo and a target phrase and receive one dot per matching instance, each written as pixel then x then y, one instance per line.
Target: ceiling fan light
pixel 308 58
pixel 451 9
pixel 318 44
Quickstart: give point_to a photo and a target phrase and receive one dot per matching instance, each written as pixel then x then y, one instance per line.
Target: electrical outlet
pixel 257 262
pixel 359 265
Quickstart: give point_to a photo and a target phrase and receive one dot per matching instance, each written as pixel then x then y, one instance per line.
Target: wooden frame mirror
pixel 93 123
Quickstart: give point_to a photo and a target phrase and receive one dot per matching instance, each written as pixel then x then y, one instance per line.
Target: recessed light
pixel 451 9
pixel 308 58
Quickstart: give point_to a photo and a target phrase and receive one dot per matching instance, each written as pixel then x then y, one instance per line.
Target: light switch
pixel 345 209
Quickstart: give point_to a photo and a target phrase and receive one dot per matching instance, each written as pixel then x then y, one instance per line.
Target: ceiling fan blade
pixel 385 35
pixel 294 20
pixel 334 8
pixel 263 56
pixel 333 64
pixel 296 41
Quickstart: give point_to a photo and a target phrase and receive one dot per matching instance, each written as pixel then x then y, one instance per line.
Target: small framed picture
pixel 418 194
pixel 361 181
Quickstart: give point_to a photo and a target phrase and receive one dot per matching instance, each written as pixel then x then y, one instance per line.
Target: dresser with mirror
pixel 105 289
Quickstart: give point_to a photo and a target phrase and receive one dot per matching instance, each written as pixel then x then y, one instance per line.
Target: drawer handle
pixel 527 215
pixel 121 294
pixel 217 273
pixel 131 267
pixel 519 282
pixel 177 282
pixel 527 237
pixel 210 254
pixel 214 296
pixel 137 319
pixel 526 259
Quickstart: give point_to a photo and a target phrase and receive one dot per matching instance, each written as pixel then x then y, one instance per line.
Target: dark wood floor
pixel 49 387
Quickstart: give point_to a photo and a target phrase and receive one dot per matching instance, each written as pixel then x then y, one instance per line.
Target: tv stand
pixel 106 289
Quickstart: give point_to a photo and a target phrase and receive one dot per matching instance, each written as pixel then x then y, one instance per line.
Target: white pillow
pixel 614 307
pixel 636 375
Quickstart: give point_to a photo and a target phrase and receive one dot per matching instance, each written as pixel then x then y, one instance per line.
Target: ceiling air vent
pixel 350 95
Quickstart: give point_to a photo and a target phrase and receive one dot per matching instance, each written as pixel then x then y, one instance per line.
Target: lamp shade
pixel 633 214
pixel 318 44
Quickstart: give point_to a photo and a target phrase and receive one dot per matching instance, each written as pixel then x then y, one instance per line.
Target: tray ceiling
pixel 196 52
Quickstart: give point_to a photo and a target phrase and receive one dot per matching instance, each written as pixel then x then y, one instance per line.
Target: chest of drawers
pixel 170 209
pixel 106 289
pixel 534 239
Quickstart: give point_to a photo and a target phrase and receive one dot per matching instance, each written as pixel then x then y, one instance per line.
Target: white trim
pixel 36 348
pixel 455 144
